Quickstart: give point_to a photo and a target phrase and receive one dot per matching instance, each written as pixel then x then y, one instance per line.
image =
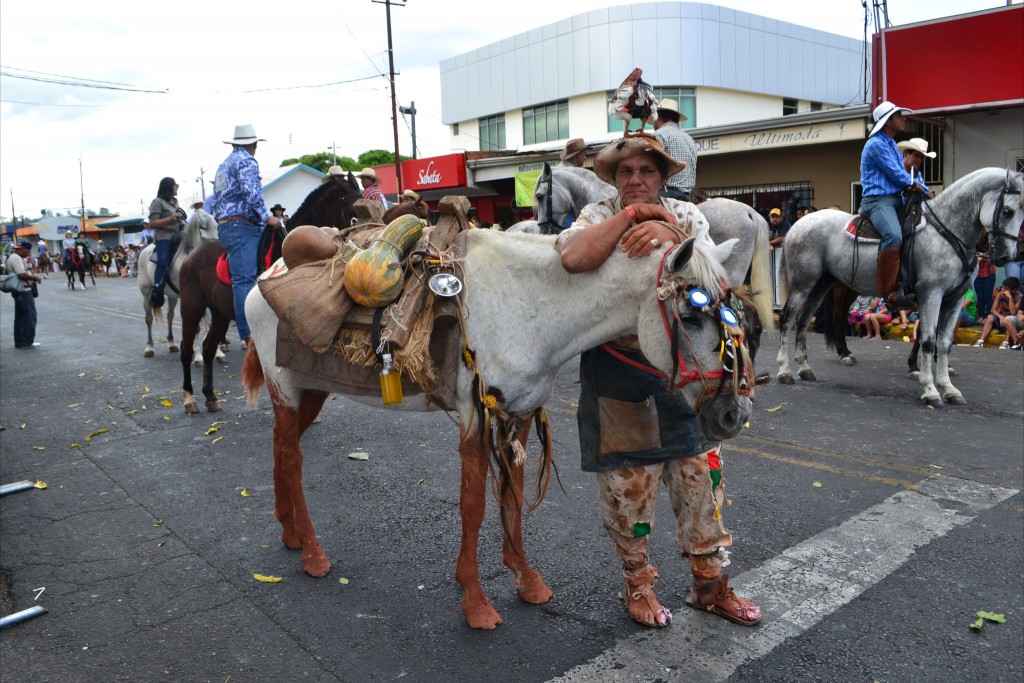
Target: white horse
pixel 562 192
pixel 524 317
pixel 191 237
pixel 817 253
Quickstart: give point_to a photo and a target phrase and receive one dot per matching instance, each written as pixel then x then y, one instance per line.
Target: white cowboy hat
pixel 411 195
pixel 194 201
pixel 368 173
pixel 918 145
pixel 882 113
pixel 672 106
pixel 331 172
pixel 245 134
pixel 608 158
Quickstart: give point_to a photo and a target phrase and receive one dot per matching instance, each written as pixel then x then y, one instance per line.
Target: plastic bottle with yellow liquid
pixel 390 383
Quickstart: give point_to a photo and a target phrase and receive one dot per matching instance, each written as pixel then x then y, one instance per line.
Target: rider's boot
pixel 156 297
pixel 887 280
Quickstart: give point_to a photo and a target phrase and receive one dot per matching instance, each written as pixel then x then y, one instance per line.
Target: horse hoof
pixel 480 616
pixel 786 379
pixel 148 353
pixel 534 591
pixel 848 361
pixel 951 372
pixel 173 348
pixel 191 408
pixel 808 376
pixel 221 358
pixel 316 563
pixel 914 375
pixel 213 406
pixel 956 399
pixel 932 401
pixel 198 362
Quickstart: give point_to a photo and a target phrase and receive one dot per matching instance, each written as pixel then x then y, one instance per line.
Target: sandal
pixel 641 588
pixel 715 596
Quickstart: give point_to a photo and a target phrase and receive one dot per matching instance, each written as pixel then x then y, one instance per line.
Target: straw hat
pixel 411 195
pixel 331 172
pixel 608 158
pixel 368 173
pixel 672 106
pixel 245 134
pixel 918 145
pixel 883 112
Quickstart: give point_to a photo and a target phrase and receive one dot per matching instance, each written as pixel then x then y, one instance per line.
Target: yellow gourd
pixel 373 277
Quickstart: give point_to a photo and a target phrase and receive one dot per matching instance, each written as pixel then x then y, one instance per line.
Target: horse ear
pixel 678 259
pixel 547 170
pixel 723 251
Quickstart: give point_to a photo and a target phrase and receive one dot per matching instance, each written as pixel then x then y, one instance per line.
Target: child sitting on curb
pixel 877 318
pixel 1005 309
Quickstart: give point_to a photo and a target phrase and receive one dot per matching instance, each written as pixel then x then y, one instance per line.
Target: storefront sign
pixel 810 134
pixel 435 173
pixel 525 181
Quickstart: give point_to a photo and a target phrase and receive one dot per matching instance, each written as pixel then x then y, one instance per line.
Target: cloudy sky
pixel 169 81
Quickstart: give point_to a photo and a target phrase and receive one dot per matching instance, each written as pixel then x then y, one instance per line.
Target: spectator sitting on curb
pixel 876 318
pixel 968 312
pixel 861 305
pixel 1005 306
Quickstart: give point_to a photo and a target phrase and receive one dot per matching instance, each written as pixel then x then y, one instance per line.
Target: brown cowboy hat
pixel 573 147
pixel 608 158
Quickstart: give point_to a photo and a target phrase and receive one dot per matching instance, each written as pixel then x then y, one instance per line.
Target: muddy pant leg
pixel 696 488
pixel 627 498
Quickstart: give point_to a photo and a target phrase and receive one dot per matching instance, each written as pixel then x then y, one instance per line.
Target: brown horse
pixel 419 209
pixel 202 290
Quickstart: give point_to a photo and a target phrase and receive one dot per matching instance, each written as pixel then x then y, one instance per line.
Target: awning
pixel 26 232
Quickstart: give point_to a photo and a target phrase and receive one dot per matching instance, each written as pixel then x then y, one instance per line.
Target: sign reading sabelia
pixel 430 175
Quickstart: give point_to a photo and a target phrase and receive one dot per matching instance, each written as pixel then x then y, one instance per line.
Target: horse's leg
pixel 293 411
pixel 914 370
pixel 528 582
pixel 926 332
pixel 803 319
pixel 476 606
pixel 211 344
pixel 148 353
pixel 172 303
pixel 785 374
pixel 944 342
pixel 842 297
pixel 189 328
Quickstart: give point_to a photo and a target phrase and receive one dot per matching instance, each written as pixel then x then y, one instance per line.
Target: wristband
pixel 631 211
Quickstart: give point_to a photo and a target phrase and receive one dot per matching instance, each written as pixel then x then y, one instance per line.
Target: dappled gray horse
pixel 818 253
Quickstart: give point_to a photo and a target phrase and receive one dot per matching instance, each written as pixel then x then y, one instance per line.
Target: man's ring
pixel 655 243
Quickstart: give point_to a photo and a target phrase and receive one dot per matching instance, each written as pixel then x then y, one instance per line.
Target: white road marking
pixel 796 589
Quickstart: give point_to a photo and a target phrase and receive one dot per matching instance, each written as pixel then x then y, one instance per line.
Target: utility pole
pixel 411 111
pixel 202 182
pixel 81 187
pixel 391 77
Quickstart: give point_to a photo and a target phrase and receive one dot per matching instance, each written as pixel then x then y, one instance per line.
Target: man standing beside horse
pixel 884 179
pixel 680 146
pixel 241 213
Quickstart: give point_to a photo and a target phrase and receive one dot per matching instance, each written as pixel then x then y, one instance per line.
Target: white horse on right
pixel 818 253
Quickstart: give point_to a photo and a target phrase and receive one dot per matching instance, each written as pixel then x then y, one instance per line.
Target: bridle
pixel 996 230
pixel 675 292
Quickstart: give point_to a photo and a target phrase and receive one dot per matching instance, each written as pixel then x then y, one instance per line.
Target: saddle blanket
pixel 870 236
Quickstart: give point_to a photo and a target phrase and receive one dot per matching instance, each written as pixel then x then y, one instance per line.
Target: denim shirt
pixel 238 190
pixel 881 167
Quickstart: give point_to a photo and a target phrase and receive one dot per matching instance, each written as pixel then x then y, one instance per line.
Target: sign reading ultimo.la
pixel 774 138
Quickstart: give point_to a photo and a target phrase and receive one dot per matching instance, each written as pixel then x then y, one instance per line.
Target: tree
pixel 322 161
pixel 378 157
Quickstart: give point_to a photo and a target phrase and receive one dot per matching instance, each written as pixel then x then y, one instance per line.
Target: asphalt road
pixel 871 530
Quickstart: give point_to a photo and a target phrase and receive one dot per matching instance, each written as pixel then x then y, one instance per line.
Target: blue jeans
pixel 1014 268
pixel 240 238
pixel 884 213
pixel 983 287
pixel 24 319
pixel 164 251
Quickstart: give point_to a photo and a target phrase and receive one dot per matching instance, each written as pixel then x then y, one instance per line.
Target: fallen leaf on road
pixel 167 417
pixel 245 493
pixel 161 544
pixel 266 579
pixel 24 424
pixel 343 581
pixel 158 523
pixel 358 455
pixel 74 445
pixel 776 408
pixel 216 440
pixel 81 374
pixel 75 405
pixel 232 376
pixel 211 430
pixel 131 412
pixel 97 377
pixel 40 484
pixel 991 616
pixel 816 484
pixel 104 430
pixel 165 403
pixel 221 422
pixel 39 448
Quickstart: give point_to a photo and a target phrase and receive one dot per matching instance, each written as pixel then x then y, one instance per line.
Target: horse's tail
pixel 783 284
pixel 761 280
pixel 252 377
pixel 158 314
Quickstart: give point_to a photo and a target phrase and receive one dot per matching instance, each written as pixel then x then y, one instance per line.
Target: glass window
pixel 686 98
pixel 455 129
pixel 492 132
pixel 815 106
pixel 788 106
pixel 546 123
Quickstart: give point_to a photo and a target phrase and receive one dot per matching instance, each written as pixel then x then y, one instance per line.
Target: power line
pixel 48 104
pixel 65 80
pixel 321 85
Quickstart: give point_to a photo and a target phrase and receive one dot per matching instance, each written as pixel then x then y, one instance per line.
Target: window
pixel 546 123
pixel 784 196
pixel 492 132
pixel 788 106
pixel 455 129
pixel 686 98
pixel 815 106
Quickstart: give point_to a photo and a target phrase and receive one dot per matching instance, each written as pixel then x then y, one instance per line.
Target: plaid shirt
pixel 373 193
pixel 238 189
pixel 680 146
pixel 881 167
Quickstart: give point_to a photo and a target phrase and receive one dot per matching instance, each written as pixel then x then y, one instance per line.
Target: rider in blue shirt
pixel 241 214
pixel 883 181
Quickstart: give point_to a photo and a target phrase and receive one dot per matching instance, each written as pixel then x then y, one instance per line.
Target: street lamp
pixel 411 111
pixel 334 150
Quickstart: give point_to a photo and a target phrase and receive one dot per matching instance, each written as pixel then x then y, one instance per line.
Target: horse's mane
pixel 704 269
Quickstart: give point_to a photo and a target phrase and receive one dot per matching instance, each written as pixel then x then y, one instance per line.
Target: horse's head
pixel 1002 215
pixel 696 335
pixel 330 204
pixel 552 203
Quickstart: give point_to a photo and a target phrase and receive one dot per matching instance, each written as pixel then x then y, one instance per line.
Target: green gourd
pixel 373 277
